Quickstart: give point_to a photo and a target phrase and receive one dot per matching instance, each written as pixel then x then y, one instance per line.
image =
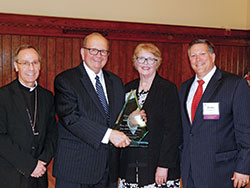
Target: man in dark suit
pixel 87 117
pixel 216 124
pixel 27 125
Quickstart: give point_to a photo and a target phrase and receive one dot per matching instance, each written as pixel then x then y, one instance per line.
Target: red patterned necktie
pixel 197 98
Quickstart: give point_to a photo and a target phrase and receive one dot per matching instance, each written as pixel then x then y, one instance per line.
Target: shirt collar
pixel 92 74
pixel 30 88
pixel 209 75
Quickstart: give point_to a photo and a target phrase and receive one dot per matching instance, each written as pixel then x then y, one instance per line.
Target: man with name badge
pixel 216 124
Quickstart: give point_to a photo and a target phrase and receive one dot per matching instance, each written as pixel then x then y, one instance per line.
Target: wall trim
pixel 70 27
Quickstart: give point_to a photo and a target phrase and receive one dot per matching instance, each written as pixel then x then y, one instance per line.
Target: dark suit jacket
pixel 216 148
pixel 80 156
pixel 18 152
pixel 164 124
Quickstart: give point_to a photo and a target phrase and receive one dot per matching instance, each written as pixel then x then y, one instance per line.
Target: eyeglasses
pixel 94 51
pixel 27 64
pixel 142 60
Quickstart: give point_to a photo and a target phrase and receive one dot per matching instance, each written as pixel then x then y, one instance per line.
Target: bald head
pixel 96 36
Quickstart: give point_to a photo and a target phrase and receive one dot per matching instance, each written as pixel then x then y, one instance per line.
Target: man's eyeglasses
pixel 142 60
pixel 94 51
pixel 27 64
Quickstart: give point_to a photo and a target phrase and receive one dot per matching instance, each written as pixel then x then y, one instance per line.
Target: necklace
pixel 33 124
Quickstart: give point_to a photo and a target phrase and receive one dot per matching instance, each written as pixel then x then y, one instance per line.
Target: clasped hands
pixel 118 138
pixel 40 169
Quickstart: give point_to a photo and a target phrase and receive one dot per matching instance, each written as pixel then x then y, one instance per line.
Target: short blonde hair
pixel 149 47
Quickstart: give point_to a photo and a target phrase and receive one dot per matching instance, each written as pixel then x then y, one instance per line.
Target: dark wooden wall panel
pixel 15 43
pixel 51 63
pixel 77 45
pixel 43 52
pixel 59 63
pixel 59 54
pixel 130 70
pixel 247 59
pixel 67 53
pixel 59 41
pixel 25 39
pixel 123 60
pixel 7 62
pixel 241 67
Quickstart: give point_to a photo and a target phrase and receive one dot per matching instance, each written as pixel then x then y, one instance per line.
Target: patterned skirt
pixel 168 184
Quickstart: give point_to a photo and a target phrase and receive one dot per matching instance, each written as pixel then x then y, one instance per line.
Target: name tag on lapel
pixel 211 110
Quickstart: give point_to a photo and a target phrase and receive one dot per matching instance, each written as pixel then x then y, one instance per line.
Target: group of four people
pixel 208 122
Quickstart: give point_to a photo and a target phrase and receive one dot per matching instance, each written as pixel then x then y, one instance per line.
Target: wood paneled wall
pixel 59 41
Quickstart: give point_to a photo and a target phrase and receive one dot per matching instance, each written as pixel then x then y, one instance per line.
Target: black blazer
pixel 164 124
pixel 80 156
pixel 18 152
pixel 217 148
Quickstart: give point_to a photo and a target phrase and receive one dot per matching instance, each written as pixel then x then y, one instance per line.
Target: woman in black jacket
pixel 158 164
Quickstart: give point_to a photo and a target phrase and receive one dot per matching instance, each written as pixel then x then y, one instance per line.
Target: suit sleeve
pixel 172 129
pixel 51 133
pixel 241 118
pixel 11 151
pixel 75 121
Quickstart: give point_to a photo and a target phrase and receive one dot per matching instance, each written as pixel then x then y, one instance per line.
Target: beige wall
pixel 248 14
pixel 232 14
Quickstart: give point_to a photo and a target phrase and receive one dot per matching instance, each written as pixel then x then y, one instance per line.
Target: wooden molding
pixel 70 27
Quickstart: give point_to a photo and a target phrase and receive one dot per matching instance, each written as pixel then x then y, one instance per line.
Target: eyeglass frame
pixel 97 51
pixel 27 64
pixel 146 59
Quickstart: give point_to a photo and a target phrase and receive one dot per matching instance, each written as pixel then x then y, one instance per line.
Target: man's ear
pixel 82 53
pixel 213 57
pixel 15 66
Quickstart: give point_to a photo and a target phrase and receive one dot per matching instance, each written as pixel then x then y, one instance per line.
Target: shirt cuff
pixel 105 139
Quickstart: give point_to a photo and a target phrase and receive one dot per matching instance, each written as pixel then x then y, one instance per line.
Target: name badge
pixel 211 110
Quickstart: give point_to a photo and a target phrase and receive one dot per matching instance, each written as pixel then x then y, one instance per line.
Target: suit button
pixel 191 134
pixel 33 147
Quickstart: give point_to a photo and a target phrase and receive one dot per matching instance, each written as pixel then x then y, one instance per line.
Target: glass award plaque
pixel 135 133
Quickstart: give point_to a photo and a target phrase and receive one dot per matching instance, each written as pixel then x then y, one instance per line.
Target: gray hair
pixel 26 46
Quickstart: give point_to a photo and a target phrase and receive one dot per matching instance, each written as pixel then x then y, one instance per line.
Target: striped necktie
pixel 101 95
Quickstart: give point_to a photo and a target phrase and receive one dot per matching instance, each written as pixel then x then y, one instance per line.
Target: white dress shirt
pixel 92 76
pixel 193 89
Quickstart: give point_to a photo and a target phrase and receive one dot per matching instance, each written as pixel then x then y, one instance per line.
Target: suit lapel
pixel 151 95
pixel 110 93
pixel 188 86
pixel 20 106
pixel 210 90
pixel 87 84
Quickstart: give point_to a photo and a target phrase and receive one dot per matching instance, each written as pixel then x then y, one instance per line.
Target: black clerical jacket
pixel 19 148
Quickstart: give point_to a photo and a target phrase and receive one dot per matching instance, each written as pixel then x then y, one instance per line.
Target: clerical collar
pixel 30 88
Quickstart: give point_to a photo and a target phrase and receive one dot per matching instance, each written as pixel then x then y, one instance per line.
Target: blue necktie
pixel 101 96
